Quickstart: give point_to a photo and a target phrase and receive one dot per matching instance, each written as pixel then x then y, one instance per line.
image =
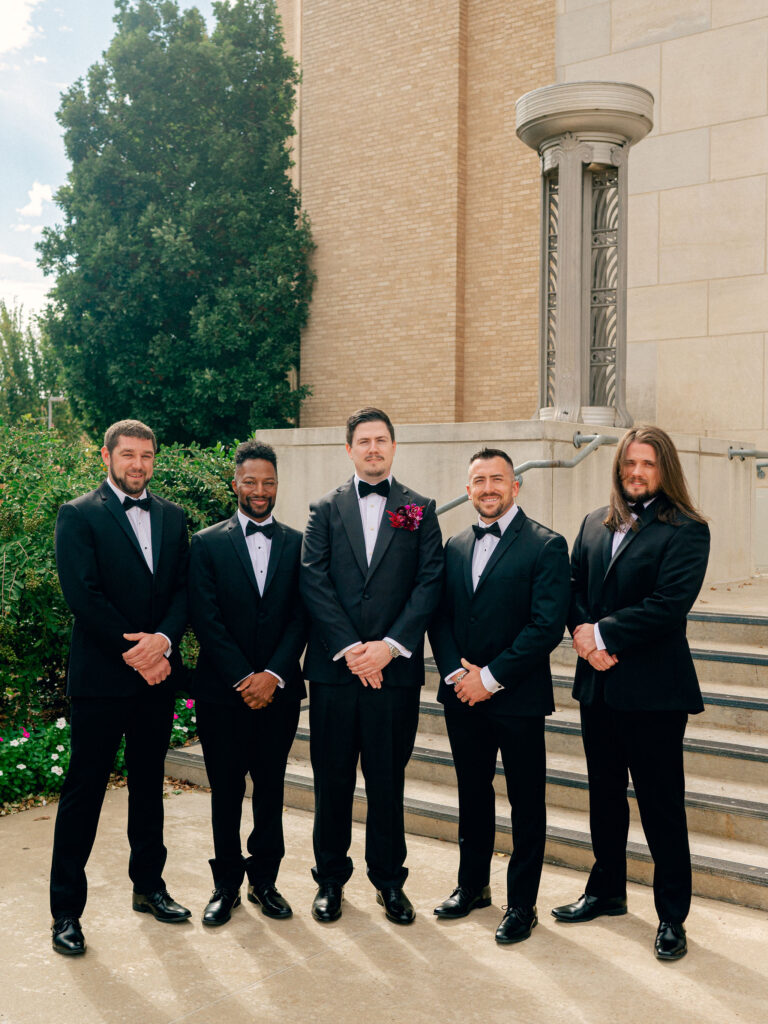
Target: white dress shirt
pixel 481 555
pixel 371 514
pixel 259 548
pixel 141 524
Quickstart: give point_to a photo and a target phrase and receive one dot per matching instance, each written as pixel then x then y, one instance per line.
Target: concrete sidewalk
pixel 361 968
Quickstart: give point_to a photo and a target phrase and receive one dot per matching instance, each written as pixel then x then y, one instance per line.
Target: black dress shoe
pixel 272 903
pixel 396 905
pixel 516 925
pixel 68 937
pixel 326 906
pixel 670 941
pixel 160 905
pixel 462 901
pixel 586 908
pixel 220 906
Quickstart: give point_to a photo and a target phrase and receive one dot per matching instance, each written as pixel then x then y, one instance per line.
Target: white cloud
pixel 16 261
pixel 39 60
pixel 34 228
pixel 38 195
pixel 65 28
pixel 16 28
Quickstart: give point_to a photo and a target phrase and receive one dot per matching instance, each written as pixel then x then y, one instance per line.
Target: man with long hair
pixel 636 568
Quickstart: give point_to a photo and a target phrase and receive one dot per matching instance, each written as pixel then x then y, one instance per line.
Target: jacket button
pixel 366 597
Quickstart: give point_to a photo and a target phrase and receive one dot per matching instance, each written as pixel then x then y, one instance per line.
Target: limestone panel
pixel 638 67
pixel 667 311
pixel 738 305
pixel 714 230
pixel 739 149
pixel 652 21
pixel 728 12
pixel 641 381
pixel 669 161
pixel 583 34
pixel 715 76
pixel 710 384
pixel 578 5
pixel 643 240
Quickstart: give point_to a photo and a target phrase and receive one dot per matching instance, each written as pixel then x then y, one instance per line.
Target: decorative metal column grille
pixel 604 279
pixel 552 214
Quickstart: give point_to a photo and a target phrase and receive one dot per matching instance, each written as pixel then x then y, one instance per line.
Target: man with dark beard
pixel 636 568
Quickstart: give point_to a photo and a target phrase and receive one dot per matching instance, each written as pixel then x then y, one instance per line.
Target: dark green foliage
pixel 28 370
pixel 182 276
pixel 39 471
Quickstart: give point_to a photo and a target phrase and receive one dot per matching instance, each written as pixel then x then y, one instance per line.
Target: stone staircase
pixel 726 751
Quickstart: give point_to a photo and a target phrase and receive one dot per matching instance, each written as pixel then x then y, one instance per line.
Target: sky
pixel 45 45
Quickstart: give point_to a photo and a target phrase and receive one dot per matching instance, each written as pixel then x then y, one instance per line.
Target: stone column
pixel 582 132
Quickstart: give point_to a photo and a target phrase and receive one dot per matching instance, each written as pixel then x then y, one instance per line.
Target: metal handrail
pixel 761 465
pixel 746 453
pixel 592 441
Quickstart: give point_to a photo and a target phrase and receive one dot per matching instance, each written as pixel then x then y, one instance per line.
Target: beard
pixel 129 487
pixel 645 495
pixel 246 509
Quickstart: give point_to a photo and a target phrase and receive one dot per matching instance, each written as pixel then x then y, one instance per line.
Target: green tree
pixel 182 266
pixel 27 371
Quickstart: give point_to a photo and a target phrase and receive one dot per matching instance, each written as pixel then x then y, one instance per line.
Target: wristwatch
pixel 394 651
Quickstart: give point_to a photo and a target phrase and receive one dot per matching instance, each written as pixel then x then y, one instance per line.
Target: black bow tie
pixel 483 531
pixel 268 529
pixel 142 503
pixel 382 488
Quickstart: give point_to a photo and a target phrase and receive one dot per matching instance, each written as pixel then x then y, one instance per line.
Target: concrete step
pixel 734 628
pixel 736 872
pixel 715 806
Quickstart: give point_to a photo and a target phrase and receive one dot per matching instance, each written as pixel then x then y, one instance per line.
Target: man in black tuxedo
pixel 246 611
pixel 122 562
pixel 505 600
pixel 636 568
pixel 370 578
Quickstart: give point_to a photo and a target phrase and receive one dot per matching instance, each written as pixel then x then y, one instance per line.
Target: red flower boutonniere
pixel 406 517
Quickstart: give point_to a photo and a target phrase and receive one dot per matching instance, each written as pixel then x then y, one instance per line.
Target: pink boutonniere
pixel 406 517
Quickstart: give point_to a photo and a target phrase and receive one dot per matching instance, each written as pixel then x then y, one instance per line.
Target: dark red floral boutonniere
pixel 406 517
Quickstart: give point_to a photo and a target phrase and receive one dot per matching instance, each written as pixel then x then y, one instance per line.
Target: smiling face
pixel 640 475
pixel 130 464
pixel 372 451
pixel 255 485
pixel 492 487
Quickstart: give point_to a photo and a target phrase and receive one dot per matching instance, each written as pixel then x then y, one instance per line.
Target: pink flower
pixel 24 733
pixel 406 517
pixel 190 703
pixel 175 715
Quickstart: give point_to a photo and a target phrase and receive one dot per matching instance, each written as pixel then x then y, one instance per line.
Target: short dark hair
pixel 128 428
pixel 254 449
pixel 368 415
pixel 492 453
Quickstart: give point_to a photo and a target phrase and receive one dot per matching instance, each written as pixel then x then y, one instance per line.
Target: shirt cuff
pixel 451 678
pixel 599 642
pixel 345 649
pixel 169 649
pixel 403 650
pixel 280 680
pixel 488 681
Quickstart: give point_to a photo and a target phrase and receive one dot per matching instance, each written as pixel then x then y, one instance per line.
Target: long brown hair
pixel 672 480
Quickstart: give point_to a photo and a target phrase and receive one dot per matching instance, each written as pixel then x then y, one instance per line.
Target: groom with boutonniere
pixel 370 578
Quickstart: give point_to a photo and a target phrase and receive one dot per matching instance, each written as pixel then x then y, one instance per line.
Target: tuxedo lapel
pixel 237 537
pixel 349 510
pixel 275 551
pixel 112 503
pixel 397 496
pixel 156 532
pixel 508 538
pixel 646 516
pixel 465 544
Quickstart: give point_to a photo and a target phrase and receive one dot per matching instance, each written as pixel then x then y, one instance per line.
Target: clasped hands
pixel 585 646
pixel 470 688
pixel 367 661
pixel 258 689
pixel 147 656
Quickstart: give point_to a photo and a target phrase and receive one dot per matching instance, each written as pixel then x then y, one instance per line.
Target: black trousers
pixel 476 739
pixel 239 741
pixel 649 746
pixel 348 721
pixel 97 726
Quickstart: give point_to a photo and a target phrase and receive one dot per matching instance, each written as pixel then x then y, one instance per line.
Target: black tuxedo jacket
pixel 239 630
pixel 110 589
pixel 349 601
pixel 511 622
pixel 640 598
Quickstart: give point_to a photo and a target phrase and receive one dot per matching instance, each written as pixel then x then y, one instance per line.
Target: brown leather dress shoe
pixel 462 901
pixel 68 938
pixel 271 902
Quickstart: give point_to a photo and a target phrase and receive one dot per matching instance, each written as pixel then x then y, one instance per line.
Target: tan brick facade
pixel 424 205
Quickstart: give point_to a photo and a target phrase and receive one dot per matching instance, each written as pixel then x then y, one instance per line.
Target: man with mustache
pixel 122 561
pixel 505 599
pixel 636 568
pixel 370 578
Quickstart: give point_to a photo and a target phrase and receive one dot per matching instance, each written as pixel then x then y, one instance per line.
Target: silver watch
pixel 394 651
